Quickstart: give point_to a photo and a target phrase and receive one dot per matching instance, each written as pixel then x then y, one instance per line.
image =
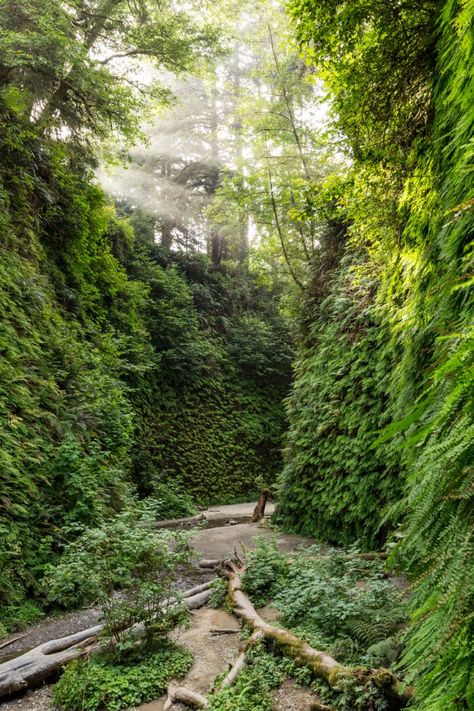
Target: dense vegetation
pixel 144 342
pixel 125 366
pixel 401 289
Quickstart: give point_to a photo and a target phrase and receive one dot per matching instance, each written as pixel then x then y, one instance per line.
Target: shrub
pixel 266 568
pixel 125 553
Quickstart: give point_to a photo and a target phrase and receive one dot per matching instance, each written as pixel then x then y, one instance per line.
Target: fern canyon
pixel 236 355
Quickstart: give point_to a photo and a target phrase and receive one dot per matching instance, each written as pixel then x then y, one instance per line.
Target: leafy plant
pixel 96 684
pixel 219 593
pixel 266 569
pixel 251 690
pixel 128 569
pixel 337 601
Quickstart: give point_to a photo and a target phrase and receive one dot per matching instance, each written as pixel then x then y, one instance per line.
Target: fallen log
pixel 40 663
pixel 210 563
pixel 321 664
pixel 190 698
pixel 213 519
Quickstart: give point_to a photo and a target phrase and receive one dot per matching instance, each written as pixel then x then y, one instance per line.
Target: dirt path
pixel 212 653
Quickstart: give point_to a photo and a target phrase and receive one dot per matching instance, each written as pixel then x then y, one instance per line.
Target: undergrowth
pixel 101 683
pixel 338 601
pixel 262 673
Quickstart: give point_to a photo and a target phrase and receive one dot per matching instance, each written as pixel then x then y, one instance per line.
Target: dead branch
pixel 240 661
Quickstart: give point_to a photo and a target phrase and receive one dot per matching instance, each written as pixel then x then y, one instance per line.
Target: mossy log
pixel 39 664
pixel 321 664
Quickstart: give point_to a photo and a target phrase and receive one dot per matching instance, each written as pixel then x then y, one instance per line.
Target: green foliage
pixel 352 695
pixel 95 684
pixel 337 601
pixel 336 483
pixel 407 204
pixel 66 421
pixel 251 690
pixel 62 64
pixel 219 593
pixel 117 374
pixel 16 617
pixel 266 569
pixel 124 553
pixel 208 422
pixel 170 502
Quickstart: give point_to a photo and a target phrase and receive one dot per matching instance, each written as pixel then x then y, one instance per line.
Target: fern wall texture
pixel 335 484
pixel 408 209
pixel 123 367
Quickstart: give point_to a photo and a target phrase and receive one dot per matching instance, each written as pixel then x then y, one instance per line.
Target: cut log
pixel 190 698
pixel 259 510
pixel 37 665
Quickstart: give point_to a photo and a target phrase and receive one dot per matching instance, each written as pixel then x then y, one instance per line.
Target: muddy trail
pixel 213 652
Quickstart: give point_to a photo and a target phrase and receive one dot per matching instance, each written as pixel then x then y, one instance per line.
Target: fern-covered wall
pixel 336 484
pixel 401 81
pixel 123 367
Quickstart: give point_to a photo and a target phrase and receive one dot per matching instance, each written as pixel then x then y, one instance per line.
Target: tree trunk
pixel 259 510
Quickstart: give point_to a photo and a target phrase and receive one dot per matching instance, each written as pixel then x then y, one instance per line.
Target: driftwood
pixel 259 510
pixel 37 665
